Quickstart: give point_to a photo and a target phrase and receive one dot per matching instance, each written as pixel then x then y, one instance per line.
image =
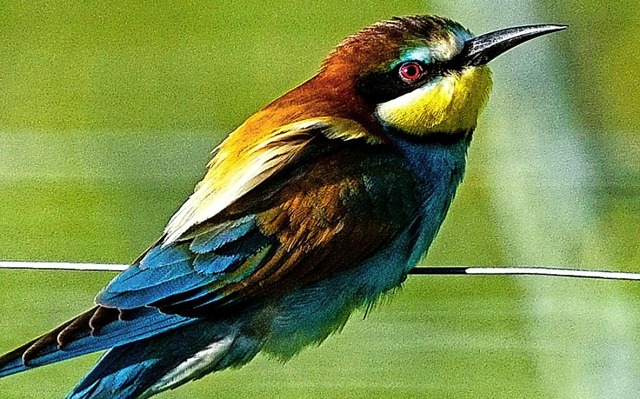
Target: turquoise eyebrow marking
pixel 423 54
pixel 428 55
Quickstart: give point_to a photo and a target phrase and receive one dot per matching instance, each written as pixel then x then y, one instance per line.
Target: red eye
pixel 410 71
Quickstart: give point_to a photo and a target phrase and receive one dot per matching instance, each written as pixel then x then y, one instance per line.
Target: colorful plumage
pixel 315 206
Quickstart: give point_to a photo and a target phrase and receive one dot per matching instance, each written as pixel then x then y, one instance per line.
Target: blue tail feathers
pixel 53 347
pixel 144 368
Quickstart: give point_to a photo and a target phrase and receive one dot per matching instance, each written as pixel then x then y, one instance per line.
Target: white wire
pixel 456 270
pixel 102 267
pixel 543 271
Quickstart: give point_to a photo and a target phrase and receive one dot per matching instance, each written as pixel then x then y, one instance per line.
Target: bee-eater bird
pixel 315 206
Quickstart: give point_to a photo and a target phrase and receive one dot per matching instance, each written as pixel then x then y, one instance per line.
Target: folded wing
pixel 309 200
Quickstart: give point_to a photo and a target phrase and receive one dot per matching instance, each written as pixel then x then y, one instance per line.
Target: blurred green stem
pixel 538 167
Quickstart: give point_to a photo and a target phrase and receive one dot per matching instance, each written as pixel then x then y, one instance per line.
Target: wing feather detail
pixel 325 199
pixel 233 171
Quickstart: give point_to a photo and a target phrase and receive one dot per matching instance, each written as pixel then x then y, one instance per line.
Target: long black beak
pixel 482 49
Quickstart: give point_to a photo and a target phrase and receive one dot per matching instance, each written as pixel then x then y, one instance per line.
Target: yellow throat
pixel 447 104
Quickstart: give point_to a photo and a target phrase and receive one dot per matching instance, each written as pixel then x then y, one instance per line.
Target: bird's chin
pixel 446 104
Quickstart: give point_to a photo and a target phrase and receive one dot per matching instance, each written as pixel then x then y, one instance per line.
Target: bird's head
pixel 421 74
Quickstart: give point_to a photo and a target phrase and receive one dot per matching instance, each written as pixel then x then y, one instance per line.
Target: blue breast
pixel 438 165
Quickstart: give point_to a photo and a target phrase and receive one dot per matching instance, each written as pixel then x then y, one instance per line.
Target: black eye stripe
pixel 430 71
pixel 381 86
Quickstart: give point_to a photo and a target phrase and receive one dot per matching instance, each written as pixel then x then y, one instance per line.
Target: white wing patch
pixel 183 372
pixel 234 172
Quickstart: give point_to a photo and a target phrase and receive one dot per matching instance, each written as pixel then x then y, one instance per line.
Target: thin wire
pixel 525 271
pixel 420 270
pixel 96 267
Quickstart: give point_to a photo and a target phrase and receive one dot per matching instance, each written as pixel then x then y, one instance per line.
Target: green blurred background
pixel 110 109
